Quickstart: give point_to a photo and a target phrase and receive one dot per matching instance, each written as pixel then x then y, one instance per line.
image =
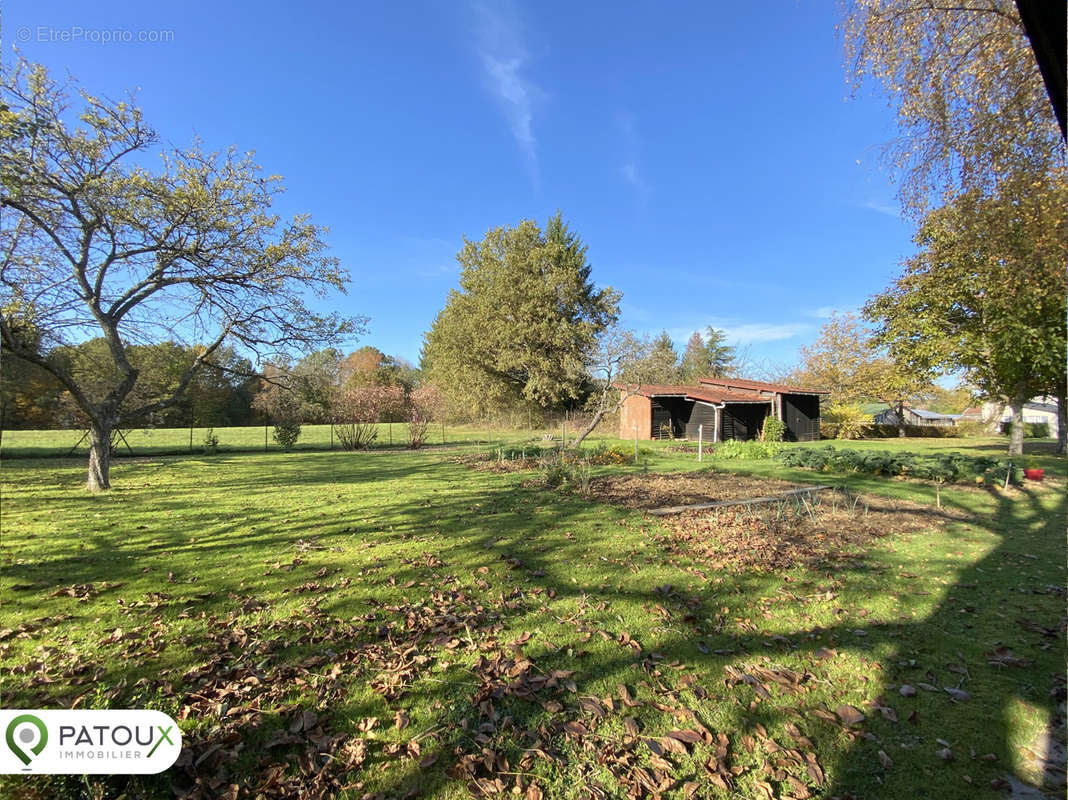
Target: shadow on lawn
pixel 946 652
pixel 520 537
pixel 969 642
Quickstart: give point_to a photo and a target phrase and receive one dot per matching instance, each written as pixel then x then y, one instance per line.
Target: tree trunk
pixel 591 427
pixel 1062 423
pixel 99 458
pixel 1016 434
pixel 901 420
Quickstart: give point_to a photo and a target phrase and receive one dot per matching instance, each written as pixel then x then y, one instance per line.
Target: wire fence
pixel 260 438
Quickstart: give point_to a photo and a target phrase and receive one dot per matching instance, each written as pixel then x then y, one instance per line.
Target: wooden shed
pixel 725 408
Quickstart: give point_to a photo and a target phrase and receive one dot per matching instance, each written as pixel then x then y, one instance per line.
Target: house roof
pixel 923 413
pixel 758 386
pixel 657 389
pixel 1037 405
pixel 705 394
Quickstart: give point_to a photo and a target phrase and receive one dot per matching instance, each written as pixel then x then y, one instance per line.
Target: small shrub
pixel 568 469
pixel 423 405
pixel 602 455
pixel 356 435
pixel 211 442
pixel 555 469
pixel 1036 430
pixel 417 429
pixel 774 429
pixel 970 429
pixel 850 420
pixel 286 434
pixel 1032 430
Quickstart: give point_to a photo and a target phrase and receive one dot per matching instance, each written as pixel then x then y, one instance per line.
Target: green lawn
pixel 183 441
pixel 463 632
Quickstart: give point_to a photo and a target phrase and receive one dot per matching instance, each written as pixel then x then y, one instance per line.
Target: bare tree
pixel 93 243
pixel 619 354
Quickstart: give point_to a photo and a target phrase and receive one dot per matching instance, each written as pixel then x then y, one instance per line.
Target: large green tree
pixel 846 361
pixel 986 293
pixel 971 104
pixel 658 362
pixel 836 361
pixel 524 322
pixel 94 243
pixel 707 356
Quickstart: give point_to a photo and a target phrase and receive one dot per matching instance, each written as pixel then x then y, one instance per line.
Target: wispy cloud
pixel 884 208
pixel 437 270
pixel 823 312
pixel 743 333
pixel 754 332
pixel 631 169
pixel 826 312
pixel 505 59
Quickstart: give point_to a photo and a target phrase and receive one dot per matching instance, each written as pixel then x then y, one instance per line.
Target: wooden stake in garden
pixel 700 440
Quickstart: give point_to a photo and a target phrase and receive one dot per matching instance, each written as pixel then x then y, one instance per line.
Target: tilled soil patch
pixel 655 491
pixel 831 528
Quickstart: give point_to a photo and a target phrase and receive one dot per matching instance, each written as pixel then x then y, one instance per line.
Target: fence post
pixel 443 431
pixel 635 426
pixel 265 437
pixel 700 440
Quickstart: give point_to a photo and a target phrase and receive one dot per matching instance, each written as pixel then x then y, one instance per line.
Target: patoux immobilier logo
pixel 100 742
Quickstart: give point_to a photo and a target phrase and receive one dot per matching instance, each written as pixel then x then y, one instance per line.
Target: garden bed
pixel 820 530
pixel 834 529
pixel 655 491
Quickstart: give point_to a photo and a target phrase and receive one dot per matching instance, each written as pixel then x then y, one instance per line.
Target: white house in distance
pixel 1037 409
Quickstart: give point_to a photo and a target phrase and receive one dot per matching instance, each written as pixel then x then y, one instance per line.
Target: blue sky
pixel 709 154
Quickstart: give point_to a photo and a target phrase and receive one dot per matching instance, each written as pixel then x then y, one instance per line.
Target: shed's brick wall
pixel 636 411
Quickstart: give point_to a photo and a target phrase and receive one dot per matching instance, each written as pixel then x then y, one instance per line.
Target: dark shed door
pixel 743 421
pixel 661 421
pixel 678 410
pixel 801 413
pixel 701 415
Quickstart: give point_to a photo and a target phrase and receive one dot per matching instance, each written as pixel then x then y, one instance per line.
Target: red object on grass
pixel 1034 474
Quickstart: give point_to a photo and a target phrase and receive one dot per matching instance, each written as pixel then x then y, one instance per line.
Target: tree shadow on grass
pixel 578 577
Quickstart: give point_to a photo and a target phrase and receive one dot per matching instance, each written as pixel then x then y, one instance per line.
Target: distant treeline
pixel 223 393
